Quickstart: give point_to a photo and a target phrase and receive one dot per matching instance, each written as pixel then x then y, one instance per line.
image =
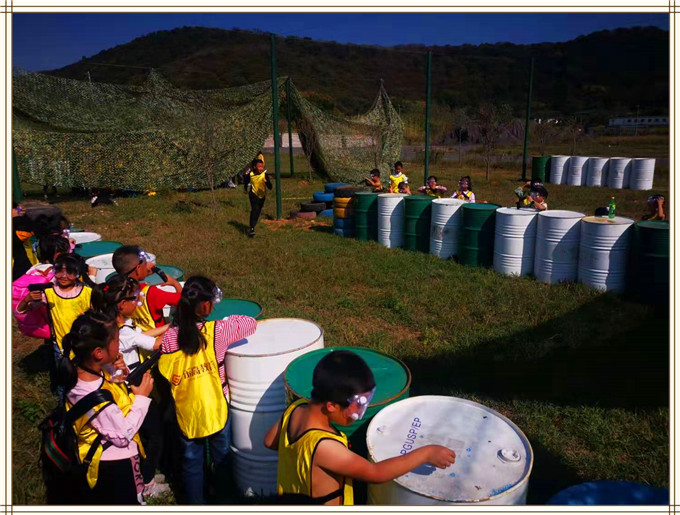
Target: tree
pixel 574 129
pixel 543 132
pixel 491 120
pixel 460 121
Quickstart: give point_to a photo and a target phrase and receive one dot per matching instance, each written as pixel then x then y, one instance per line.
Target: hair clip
pixel 106 288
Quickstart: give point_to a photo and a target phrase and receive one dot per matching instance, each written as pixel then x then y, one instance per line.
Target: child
pixel 314 459
pixel 374 181
pixel 432 189
pixel 113 474
pixel 118 297
pixel 464 191
pixel 132 261
pixel 403 188
pixel 538 194
pixel 655 205
pixel 397 177
pixel 192 360
pixel 255 183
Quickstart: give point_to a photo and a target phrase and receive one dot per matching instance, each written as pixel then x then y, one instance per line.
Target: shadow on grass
pixel 629 369
pixel 37 361
pixel 328 229
pixel 240 227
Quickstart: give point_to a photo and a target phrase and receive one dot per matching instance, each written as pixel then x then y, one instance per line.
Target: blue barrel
pixel 610 493
pixel 325 212
pixel 320 196
pixel 344 223
pixel 330 187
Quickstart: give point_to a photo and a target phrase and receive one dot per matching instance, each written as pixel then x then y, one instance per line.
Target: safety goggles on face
pixel 143 258
pixel 217 295
pixel 65 270
pixel 465 184
pixel 361 401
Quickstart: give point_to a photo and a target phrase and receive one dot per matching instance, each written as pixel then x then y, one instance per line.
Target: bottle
pixel 612 209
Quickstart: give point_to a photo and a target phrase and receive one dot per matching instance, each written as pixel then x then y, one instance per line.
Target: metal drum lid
pixel 278 336
pixel 230 307
pixel 493 457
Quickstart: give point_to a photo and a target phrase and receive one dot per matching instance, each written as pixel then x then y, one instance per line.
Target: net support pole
pixel 526 122
pixel 17 194
pixel 275 118
pixel 290 129
pixel 427 116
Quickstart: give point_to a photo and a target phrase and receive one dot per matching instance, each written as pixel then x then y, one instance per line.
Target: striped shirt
pixel 227 332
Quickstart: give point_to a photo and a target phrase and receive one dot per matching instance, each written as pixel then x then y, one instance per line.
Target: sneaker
pixel 251 233
pixel 154 489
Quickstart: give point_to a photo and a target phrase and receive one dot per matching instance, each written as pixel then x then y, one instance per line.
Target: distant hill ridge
pixel 598 75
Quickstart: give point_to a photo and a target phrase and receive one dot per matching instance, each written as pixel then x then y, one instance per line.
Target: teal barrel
pixel 96 248
pixel 477 234
pixel 540 167
pixel 649 275
pixel 418 215
pixel 366 216
pixel 154 279
pixel 236 307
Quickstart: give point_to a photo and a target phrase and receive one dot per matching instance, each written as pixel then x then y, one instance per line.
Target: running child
pixel 315 462
pixel 192 360
pixel 256 184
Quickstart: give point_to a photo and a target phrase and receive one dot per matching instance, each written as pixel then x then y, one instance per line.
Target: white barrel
pixel 104 266
pixel 513 248
pixel 391 212
pixel 597 171
pixel 84 237
pixel 446 219
pixel 603 254
pixel 559 169
pixel 558 234
pixel 493 456
pixel 577 171
pixel 255 369
pixel 619 172
pixel 642 173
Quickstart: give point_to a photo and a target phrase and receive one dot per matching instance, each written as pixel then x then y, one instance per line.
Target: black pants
pixel 151 432
pixel 115 484
pixel 256 204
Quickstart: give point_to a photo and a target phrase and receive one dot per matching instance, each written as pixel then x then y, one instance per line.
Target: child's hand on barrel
pixel 440 456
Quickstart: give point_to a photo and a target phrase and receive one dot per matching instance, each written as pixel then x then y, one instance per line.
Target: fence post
pixel 275 117
pixel 290 130
pixel 526 123
pixel 427 117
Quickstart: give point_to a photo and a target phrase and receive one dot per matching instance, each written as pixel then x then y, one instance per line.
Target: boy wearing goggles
pixel 315 463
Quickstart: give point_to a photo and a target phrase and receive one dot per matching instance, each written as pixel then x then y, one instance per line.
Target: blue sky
pixel 47 41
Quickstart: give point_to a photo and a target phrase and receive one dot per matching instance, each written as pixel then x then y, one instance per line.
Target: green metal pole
pixel 427 116
pixel 526 123
pixel 290 129
pixel 17 194
pixel 275 117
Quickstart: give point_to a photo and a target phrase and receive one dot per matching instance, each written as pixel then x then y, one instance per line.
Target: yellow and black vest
pixel 197 388
pixel 63 312
pixel 294 474
pixel 395 181
pixel 463 195
pixel 257 184
pixel 141 316
pixel 87 434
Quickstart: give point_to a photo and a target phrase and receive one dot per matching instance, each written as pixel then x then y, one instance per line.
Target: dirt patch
pixel 298 223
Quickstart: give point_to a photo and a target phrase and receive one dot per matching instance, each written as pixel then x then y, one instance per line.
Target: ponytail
pixel 197 289
pixel 106 297
pixel 90 331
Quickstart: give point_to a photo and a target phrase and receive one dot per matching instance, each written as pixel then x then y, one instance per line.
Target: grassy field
pixel 583 374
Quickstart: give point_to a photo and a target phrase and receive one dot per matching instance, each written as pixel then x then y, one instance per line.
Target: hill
pixel 599 75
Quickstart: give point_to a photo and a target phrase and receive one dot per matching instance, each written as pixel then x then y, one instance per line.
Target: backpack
pixel 33 323
pixel 63 473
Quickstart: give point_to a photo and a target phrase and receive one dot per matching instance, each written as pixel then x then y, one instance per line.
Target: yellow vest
pixel 396 181
pixel 463 195
pixel 141 316
pixel 257 183
pixel 87 434
pixel 294 473
pixel 64 312
pixel 197 388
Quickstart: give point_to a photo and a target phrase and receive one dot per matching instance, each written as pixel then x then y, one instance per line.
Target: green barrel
pixel 96 248
pixel 477 234
pixel 649 275
pixel 235 307
pixel 540 167
pixel 418 214
pixel 366 216
pixel 154 279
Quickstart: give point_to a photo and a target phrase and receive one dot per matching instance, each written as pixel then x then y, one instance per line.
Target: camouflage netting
pixel 155 136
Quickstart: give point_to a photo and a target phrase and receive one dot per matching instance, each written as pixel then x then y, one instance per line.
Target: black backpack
pixel 63 473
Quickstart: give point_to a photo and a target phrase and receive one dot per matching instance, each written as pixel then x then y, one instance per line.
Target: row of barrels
pixel 554 246
pixel 611 172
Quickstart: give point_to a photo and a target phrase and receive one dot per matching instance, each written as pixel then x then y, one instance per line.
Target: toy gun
pixel 160 273
pixel 135 377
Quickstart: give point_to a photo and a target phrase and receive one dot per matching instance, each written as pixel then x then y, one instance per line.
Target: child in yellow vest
pixel 192 360
pixel 256 184
pixel 464 191
pixel 108 432
pixel 315 463
pixel 432 189
pixel 397 177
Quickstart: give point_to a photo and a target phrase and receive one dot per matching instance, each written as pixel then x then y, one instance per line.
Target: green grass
pixel 584 375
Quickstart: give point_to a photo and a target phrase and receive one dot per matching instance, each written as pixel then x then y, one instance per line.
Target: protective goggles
pixel 217 295
pixel 65 270
pixel 143 258
pixel 361 401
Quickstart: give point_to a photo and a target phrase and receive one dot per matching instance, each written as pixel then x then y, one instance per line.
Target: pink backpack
pixel 34 322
